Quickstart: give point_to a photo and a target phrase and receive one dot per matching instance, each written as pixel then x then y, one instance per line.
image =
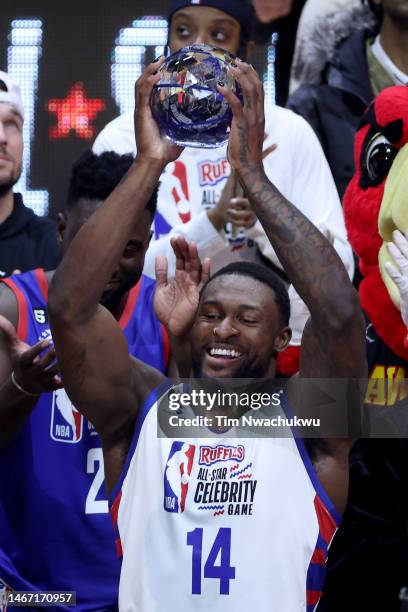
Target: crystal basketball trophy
pixel 186 104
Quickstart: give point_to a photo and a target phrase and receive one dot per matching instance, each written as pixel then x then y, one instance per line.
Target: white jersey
pixel 220 524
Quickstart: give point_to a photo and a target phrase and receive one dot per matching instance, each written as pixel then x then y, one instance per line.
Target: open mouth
pixel 222 355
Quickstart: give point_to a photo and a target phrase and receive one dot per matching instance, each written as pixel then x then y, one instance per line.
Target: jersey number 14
pixel 224 572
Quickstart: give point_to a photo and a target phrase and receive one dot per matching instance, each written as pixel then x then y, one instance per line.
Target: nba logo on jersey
pixel 66 421
pixel 177 475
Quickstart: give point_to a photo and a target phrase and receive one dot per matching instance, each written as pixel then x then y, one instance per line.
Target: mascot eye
pixel 379 158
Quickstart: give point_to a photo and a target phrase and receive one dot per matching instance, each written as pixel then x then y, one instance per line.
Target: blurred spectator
pixel 26 240
pixel 307 56
pixel 343 78
pixel 270 10
pixel 282 17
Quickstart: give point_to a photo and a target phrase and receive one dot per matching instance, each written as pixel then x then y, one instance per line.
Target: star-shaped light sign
pixel 75 113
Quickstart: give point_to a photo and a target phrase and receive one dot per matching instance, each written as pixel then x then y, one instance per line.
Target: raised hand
pixel 149 142
pixel 34 373
pixel 248 123
pixel 176 300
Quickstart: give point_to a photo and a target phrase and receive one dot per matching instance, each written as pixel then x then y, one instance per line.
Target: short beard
pixel 7 186
pixel 9 183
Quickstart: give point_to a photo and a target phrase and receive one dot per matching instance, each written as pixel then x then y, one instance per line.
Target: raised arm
pixel 333 343
pixel 98 374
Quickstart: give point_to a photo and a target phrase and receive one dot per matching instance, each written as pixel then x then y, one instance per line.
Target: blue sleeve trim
pixel 148 404
pixel 320 490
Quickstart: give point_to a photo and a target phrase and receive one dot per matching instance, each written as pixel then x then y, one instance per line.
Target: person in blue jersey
pixel 55 530
pixel 181 552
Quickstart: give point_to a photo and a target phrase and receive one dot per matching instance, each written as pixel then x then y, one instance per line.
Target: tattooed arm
pixel 333 344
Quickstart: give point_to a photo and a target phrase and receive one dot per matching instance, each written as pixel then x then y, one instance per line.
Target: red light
pixel 75 112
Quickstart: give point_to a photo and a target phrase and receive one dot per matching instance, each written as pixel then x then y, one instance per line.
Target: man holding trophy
pixel 175 556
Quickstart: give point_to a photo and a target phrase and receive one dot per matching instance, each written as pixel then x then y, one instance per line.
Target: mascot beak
pixel 393 215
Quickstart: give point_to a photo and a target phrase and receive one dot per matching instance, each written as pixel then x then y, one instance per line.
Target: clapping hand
pixel 176 300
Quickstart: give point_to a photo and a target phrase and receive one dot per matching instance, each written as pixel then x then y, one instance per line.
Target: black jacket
pixel 27 241
pixel 334 108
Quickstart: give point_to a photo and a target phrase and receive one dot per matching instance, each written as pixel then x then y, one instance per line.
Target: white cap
pixel 10 93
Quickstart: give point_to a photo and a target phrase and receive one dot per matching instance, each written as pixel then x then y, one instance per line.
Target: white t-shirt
pixel 195 181
pixel 398 76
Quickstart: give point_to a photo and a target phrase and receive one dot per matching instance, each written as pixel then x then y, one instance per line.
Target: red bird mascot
pixel 369 561
pixel 376 212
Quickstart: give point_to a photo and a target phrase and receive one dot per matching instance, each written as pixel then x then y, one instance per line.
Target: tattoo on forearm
pixel 243 142
pixel 294 238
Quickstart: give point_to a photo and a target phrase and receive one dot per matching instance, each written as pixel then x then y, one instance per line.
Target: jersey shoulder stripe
pixel 116 494
pixel 149 403
pixel 22 307
pixel 42 281
pixel 130 305
pixel 318 487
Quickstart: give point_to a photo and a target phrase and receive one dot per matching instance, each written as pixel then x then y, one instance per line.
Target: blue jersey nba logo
pixel 55 530
pixel 176 476
pixel 66 422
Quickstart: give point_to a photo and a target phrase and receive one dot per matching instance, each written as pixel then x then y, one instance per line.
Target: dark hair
pixel 263 275
pixel 376 9
pixel 94 177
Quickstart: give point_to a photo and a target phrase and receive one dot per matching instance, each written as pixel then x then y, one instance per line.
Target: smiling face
pixel 238 330
pixel 11 147
pixel 204 25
